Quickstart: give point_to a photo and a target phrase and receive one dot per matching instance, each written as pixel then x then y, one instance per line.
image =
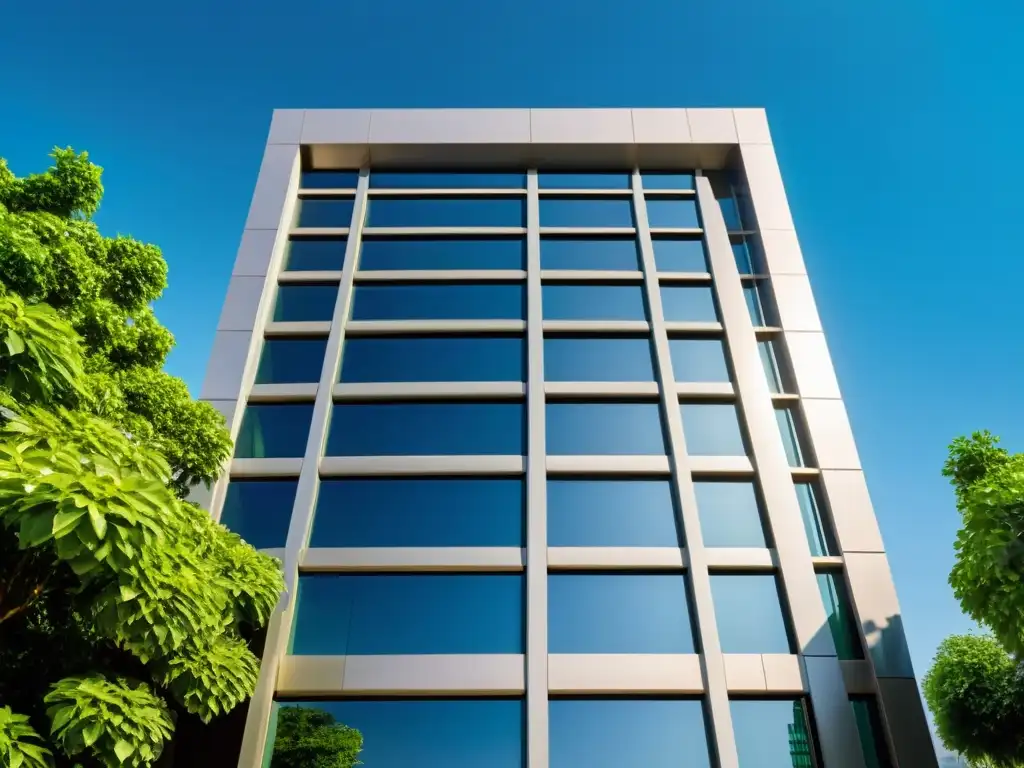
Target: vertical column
pixel 258 720
pixel 536 496
pixel 712 663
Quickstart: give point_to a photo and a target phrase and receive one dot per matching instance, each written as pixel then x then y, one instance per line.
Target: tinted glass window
pixel 712 429
pixel 666 180
pixel 672 212
pixel 259 510
pixel 443 253
pixel 790 440
pixel 598 359
pixel 688 304
pixel 291 361
pixel 772 734
pixel 604 429
pixel 426 429
pixel 385 614
pixel 819 534
pixel 446 180
pixel 325 212
pixel 766 349
pixel 446 212
pixel 729 514
pixel 754 306
pixel 439 301
pixel 434 358
pixel 329 179
pixel 306 254
pixel 609 733
pixel 741 253
pixel 841 621
pixel 611 513
pixel 677 254
pixel 567 180
pixel 749 613
pixel 305 303
pixel 593 302
pixel 872 735
pixel 419 512
pixel 618 613
pixel 585 212
pixel 724 187
pixel 590 253
pixel 698 360
pixel 271 431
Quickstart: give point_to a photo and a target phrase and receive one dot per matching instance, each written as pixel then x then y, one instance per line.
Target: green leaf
pixel 65 521
pixel 123 750
pixel 15 344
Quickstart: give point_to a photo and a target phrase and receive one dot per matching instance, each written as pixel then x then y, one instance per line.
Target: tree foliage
pixel 311 738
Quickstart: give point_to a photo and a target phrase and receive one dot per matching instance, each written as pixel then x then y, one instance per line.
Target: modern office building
pixel 537 410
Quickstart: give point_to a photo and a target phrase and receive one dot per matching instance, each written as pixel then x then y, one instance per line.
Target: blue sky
pixel 895 125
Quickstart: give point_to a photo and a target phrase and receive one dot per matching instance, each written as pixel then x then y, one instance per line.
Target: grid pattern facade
pixel 768 417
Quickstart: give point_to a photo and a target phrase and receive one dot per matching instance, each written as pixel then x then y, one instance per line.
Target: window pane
pixel 790 441
pixel 751 294
pixel 712 429
pixel 766 349
pixel 325 212
pixel 393 614
pixel 259 510
pixel 611 733
pixel 618 613
pixel 741 252
pixel 433 358
pixel 678 254
pixel 291 361
pixel 598 359
pixel 698 360
pixel 841 622
pixel 443 253
pixel 771 734
pixel 445 212
pixel 307 254
pixel 688 304
pixel 666 179
pixel 672 212
pixel 819 535
pixel 604 429
pixel 730 515
pixel 568 180
pixel 305 303
pixel 585 212
pixel 593 302
pixel 271 431
pixel 589 253
pixel 872 736
pixel 419 512
pixel 612 513
pixel 454 733
pixel 439 301
pixel 749 613
pixel 426 429
pixel 724 187
pixel 446 180
pixel 329 179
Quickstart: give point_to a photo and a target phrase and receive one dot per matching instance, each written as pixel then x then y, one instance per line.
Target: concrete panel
pixel 412 559
pixel 712 126
pixel 311 675
pixel 783 673
pixel 274 196
pixel 904 714
pixel 286 126
pixel 618 465
pixel 709 389
pixel 446 275
pixel 436 674
pixel 255 253
pixel 744 673
pixel 590 275
pixel 765 184
pixel 739 558
pixel 828 428
pixel 858 676
pixel 336 126
pixel 266 467
pixel 310 276
pixel 624 673
pixel 721 465
pixel 874 598
pixel 336 466
pixel 782 252
pixel 667 558
pixel 384 327
pixel 596 326
pixel 833 715
pixel 432 389
pixel 302 328
pixel 660 126
pixel 752 126
pixel 450 126
pixel 601 388
pixel 242 303
pixel 223 380
pixel 581 126
pixel 283 393
pixel 812 365
pixel 853 516
pixel 795 303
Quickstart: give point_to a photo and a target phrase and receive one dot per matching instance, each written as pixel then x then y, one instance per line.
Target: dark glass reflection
pixel 325 212
pixel 589 253
pixel 712 429
pixel 766 350
pixel 748 609
pixel 612 733
pixel 723 184
pixel 679 254
pixel 433 358
pixel 871 732
pixel 666 180
pixel 443 253
pixel 431 733
pixel 581 358
pixel 259 510
pixel 446 212
pixel 576 180
pixel 291 361
pixel 618 613
pixel 585 212
pixel 439 301
pixel 612 513
pixel 672 213
pixel 273 431
pixel 419 512
pixel 604 429
pixel 329 180
pixel 446 180
pixel 729 514
pixel 772 734
pixel 593 302
pixel 819 534
pixel 790 441
pixel 698 360
pixel 752 296
pixel 741 253
pixel 395 614
pixel 307 254
pixel 426 429
pixel 688 304
pixel 305 303
pixel 839 613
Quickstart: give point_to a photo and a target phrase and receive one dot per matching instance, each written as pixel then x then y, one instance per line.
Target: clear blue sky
pixel 896 125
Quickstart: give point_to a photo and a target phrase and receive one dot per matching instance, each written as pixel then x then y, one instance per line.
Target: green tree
pixel 312 738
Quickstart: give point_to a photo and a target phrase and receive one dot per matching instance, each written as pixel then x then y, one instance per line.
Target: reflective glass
pixel 305 303
pixel 741 252
pixel 427 733
pixel 666 180
pixel 419 512
pixel 446 180
pixel 679 254
pixel 259 510
pixel 612 513
pixel 598 359
pixel 766 349
pixel 790 440
pixel 426 429
pixel 402 613
pixel 442 253
pixel 329 180
pixel 439 301
pixel 589 253
pixel 618 613
pixel 748 609
pixel 588 429
pixel 291 361
pixel 698 360
pixel 274 431
pixel 571 180
pixel 730 515
pixel 819 534
pixel 870 729
pixel 841 621
pixel 593 302
pixel 772 734
pixel 753 298
pixel 712 429
pixel 724 187
pixel 446 212
pixel 585 212
pixel 325 212
pixel 307 254
pixel 612 733
pixel 433 358
pixel 672 213
pixel 688 304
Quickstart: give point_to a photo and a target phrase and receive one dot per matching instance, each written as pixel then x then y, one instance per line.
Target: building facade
pixel 537 410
